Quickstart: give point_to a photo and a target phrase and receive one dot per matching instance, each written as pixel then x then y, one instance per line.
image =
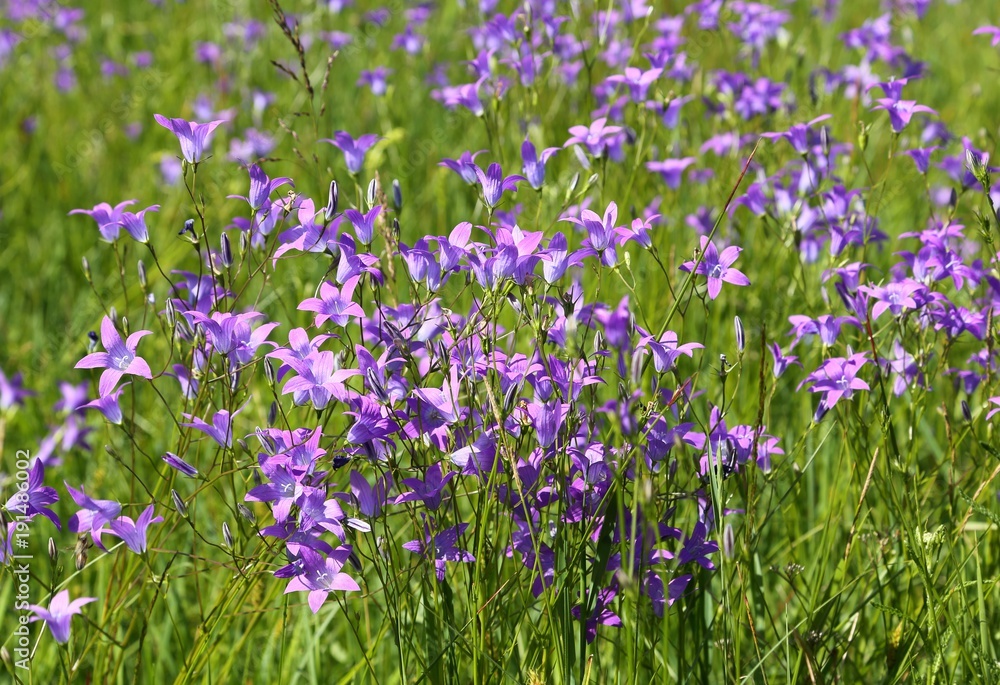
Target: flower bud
pixel 53 552
pixel 170 313
pixel 125 328
pixel 112 313
pixel 740 335
pixel 728 541
pixel 395 228
pixel 268 371
pixel 179 504
pixel 246 513
pixel 372 196
pixel 227 251
pixel 91 341
pixel 862 136
pixel 86 270
pixel 244 242
pixel 272 414
pixel 332 200
pixel 397 195
pixel 141 269
pixel 966 412
pixel 227 535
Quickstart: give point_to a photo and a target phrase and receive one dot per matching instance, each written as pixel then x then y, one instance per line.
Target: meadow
pixel 499 342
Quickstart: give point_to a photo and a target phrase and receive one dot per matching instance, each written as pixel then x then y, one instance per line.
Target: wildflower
pixel 534 165
pixel 57 617
pixel 92 516
pixel 133 533
pixel 364 224
pixel 319 577
pixel 595 137
pixel 781 362
pixel 666 350
pixel 192 136
pixel 494 183
pixel 180 465
pixel 375 79
pixel 221 428
pixel 602 234
pixel 354 150
pixel 670 170
pixel 135 223
pixel 464 166
pixel 118 359
pixel 36 497
pixel 334 304
pixel 108 218
pixel 12 392
pixel 427 490
pixel 894 297
pixel 716 267
pixel 441 548
pixel 108 406
pixel 837 378
pixel 261 188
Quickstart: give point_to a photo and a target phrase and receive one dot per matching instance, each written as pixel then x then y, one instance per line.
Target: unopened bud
pixel 397 195
pixel 395 228
pixel 272 414
pixel 966 412
pixel 246 513
pixel 53 552
pixel 179 504
pixel 268 371
pixel 372 195
pixel 740 335
pixel 227 535
pixel 862 136
pixel 86 270
pixel 227 251
pixel 91 341
pixel 332 200
pixel 170 313
pixel 141 268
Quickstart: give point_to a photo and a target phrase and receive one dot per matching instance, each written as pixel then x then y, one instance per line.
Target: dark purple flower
pixel 36 497
pixel 464 166
pixel 534 165
pixel 494 183
pixel 12 392
pixel 441 548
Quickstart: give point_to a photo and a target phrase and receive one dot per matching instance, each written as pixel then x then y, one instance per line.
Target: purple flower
pixel 108 218
pixel 133 533
pixel 441 548
pixel 364 224
pixel 837 378
pixel 57 616
pixel 94 513
pixel 781 362
pixel 427 490
pixel 798 134
pixel 354 150
pixel 375 79
pixel 370 422
pixel 119 359
pixel 12 390
pixel 334 304
pixel 464 166
pixel 317 381
pixel 901 111
pixel 717 267
pixel 135 223
pixel 595 137
pixel 670 170
pixel 319 577
pixel 666 350
pixel 602 234
pixel 534 165
pixel 369 500
pixel 996 401
pixel 494 183
pixel 261 188
pixel 221 428
pixel 36 498
pixel 192 135
pixel 108 405
pixel 992 31
pixel 895 297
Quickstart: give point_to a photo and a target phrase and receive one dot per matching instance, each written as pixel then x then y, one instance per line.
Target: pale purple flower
pixel 108 405
pixel 135 223
pixel 12 392
pixel 261 188
pixel 494 183
pixel 319 577
pixel 334 304
pixel 364 224
pixel 193 136
pixel 717 267
pixel 594 137
pixel 36 497
pixel 895 297
pixel 464 166
pixel 119 359
pixel 93 514
pixel 108 218
pixel 221 428
pixel 837 378
pixel 534 164
pixel 670 170
pixel 59 613
pixel 666 350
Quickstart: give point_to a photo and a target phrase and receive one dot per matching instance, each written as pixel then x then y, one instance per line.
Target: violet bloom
pixel 375 79
pixel 992 31
pixel 671 170
pixel 666 350
pixel 108 218
pixel 921 157
pixel 364 224
pixel 602 234
pixel 368 499
pixel 354 150
pixel 135 223
pixel 317 381
pixel 108 405
pixel 119 359
pixel 534 165
pixel 837 378
pixel 57 616
pixel 781 362
pixel 464 166
pixel 427 490
pixel 996 401
pixel 334 304
pixel 717 267
pixel 92 516
pixel 192 135
pixel 441 548
pixel 594 137
pixel 133 533
pixel 321 576
pixel 12 390
pixel 36 498
pixel 895 297
pixel 221 428
pixel 494 183
pixel 261 188
pixel 798 134
pixel 901 111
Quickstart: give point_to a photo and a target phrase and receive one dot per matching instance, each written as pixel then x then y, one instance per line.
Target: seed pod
pixel 227 535
pixel 741 340
pixel 141 269
pixel 332 200
pixel 179 504
pixel 397 195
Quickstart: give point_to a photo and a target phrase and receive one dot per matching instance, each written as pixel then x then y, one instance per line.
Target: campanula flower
pixel 59 613
pixel 494 183
pixel 118 359
pixel 133 533
pixel 193 136
pixel 717 267
pixel 108 218
pixel 354 150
